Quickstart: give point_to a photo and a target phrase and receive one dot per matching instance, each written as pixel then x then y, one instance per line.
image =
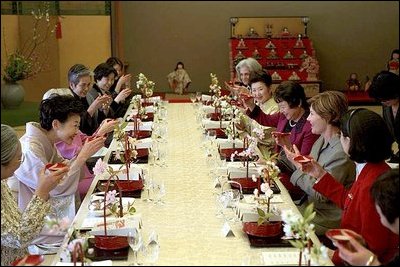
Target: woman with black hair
pixel 291 118
pixel 367 140
pixel 179 79
pixel 385 193
pixel 385 89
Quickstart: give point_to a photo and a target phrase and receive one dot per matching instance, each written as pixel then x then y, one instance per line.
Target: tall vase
pixel 12 95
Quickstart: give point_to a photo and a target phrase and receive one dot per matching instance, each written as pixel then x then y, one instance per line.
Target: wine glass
pixel 198 96
pixel 192 97
pixel 148 185
pixel 135 242
pixel 152 249
pixel 161 193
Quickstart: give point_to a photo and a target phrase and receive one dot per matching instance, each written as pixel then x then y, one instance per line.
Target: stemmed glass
pixel 152 249
pixel 135 242
pixel 198 96
pixel 161 193
pixel 148 185
pixel 192 97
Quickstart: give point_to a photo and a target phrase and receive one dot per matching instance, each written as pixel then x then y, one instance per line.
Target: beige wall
pixel 85 39
pixel 348 36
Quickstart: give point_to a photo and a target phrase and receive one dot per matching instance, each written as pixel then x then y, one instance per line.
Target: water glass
pixel 135 242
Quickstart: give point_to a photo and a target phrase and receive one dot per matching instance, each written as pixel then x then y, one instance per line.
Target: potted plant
pixel 264 227
pixel 27 60
pixel 146 87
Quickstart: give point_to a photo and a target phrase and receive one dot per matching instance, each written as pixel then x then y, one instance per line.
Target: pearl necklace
pixel 291 124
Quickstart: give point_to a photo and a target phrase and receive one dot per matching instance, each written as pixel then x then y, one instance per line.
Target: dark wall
pixel 348 36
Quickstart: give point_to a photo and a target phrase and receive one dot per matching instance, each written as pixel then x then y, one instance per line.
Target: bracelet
pixel 370 260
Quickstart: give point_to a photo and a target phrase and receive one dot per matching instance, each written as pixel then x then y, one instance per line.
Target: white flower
pixel 287 229
pixel 100 167
pixel 255 192
pixel 110 197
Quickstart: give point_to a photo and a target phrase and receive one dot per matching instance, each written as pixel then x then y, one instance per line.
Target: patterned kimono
pixel 18 229
pixel 179 80
pixel 39 151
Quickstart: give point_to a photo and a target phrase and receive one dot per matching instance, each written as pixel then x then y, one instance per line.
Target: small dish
pixel 342 236
pixel 245 97
pixel 55 166
pixel 280 134
pixel 302 159
pixel 28 260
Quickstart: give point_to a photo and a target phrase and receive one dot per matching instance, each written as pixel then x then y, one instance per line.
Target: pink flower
pixel 110 197
pixel 100 167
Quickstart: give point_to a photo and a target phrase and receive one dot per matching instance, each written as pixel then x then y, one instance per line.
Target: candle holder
pixel 233 22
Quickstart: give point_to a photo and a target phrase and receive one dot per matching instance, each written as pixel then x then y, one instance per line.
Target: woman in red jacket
pixel 367 140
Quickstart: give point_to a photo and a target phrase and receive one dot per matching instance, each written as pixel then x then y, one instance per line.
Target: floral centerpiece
pixel 264 227
pixel 300 229
pixel 28 59
pixel 25 62
pixel 145 86
pixel 76 249
pixel 215 88
pixel 106 241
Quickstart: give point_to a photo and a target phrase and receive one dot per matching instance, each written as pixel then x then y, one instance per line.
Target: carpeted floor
pixel 28 111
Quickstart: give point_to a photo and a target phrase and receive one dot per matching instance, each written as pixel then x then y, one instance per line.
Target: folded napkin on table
pixel 209 124
pixel 226 143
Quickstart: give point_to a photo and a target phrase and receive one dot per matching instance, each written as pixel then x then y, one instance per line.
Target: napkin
pixel 226 143
pixel 143 126
pixel 149 109
pixel 144 143
pixel 209 124
pixel 240 172
pixel 117 226
pixel 206 98
pixel 208 109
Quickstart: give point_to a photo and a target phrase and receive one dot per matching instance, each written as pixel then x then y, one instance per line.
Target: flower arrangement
pixel 25 62
pixel 145 85
pixel 76 249
pixel 268 173
pixel 300 229
pixel 215 89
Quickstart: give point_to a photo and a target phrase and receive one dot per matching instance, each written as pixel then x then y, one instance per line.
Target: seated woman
pixel 385 89
pixel 292 119
pixel 246 70
pixel 69 151
pixel 367 140
pixel 122 81
pixel 104 77
pixel 262 93
pixel 325 112
pixel 19 228
pixel 179 79
pixel 59 121
pixel 385 193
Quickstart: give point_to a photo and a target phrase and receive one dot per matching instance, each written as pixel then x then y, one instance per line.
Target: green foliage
pixel 263 216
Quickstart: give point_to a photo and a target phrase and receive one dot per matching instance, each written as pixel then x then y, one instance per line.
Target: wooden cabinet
pixel 282 57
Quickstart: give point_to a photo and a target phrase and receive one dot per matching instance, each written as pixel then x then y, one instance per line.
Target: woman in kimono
pixel 19 228
pixel 59 121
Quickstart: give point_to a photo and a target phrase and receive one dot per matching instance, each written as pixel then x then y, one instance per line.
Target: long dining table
pixel 188 229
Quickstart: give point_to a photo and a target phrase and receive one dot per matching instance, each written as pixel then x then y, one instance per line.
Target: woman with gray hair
pixel 18 229
pixel 246 70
